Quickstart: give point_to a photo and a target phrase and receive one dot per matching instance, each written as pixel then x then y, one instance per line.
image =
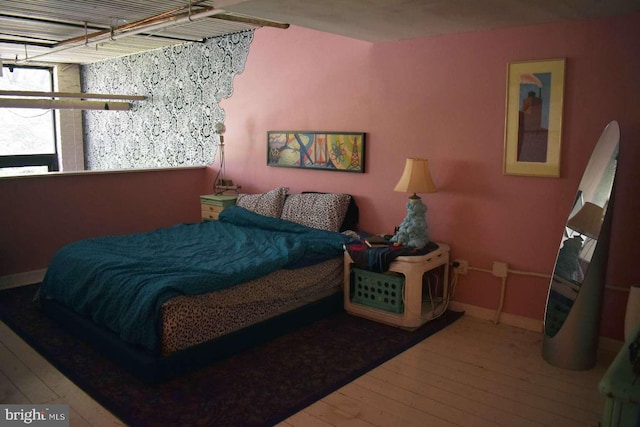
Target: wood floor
pixel 472 373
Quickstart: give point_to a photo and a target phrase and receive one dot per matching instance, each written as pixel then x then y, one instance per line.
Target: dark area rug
pixel 259 386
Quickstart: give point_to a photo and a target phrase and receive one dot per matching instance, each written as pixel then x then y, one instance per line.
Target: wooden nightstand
pixel 418 310
pixel 212 205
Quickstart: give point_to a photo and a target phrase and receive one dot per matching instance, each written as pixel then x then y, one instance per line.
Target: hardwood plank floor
pixel 473 373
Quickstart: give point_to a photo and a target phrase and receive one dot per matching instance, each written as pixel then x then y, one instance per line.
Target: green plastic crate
pixel 383 291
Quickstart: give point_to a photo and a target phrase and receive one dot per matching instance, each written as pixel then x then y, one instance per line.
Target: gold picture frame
pixel 533 123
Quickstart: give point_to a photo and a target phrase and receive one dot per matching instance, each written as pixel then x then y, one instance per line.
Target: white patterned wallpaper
pixel 174 126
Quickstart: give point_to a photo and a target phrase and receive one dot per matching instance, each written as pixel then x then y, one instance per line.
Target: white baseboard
pixel 506 318
pixel 22 279
pixel 604 344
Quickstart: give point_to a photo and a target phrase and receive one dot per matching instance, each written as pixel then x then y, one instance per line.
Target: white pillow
pixel 325 211
pixel 267 204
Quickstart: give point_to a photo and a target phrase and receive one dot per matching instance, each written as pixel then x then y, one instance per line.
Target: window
pixel 28 137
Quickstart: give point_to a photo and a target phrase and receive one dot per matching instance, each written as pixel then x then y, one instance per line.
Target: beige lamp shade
pixel 588 220
pixel 416 178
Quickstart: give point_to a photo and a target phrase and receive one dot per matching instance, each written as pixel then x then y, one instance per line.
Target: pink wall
pixel 444 99
pixel 440 98
pixel 41 214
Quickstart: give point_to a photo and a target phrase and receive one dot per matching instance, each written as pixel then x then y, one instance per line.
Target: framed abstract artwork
pixel 333 151
pixel 533 124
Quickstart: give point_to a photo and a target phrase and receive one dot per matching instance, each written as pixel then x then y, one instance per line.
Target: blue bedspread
pixel 122 281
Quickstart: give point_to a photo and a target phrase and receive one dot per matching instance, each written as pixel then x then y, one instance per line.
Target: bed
pixel 165 302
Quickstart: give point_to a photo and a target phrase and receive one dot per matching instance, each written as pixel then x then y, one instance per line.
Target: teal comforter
pixel 121 281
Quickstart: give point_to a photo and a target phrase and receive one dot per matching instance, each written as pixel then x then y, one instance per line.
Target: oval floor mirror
pixel 574 301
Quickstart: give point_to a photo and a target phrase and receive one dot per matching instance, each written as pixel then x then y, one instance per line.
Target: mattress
pixel 122 282
pixel 165 302
pixel 191 320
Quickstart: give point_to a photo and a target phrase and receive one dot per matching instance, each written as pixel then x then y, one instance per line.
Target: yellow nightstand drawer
pixel 212 205
pixel 212 208
pixel 209 215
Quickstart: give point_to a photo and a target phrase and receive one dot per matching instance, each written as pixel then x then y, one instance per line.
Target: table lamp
pixel 416 178
pixel 588 220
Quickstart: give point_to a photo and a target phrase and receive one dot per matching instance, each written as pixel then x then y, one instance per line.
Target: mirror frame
pixel 574 300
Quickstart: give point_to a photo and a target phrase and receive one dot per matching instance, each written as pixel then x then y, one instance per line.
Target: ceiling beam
pixel 95 30
pixel 48 21
pixel 61 104
pixel 253 21
pixel 161 17
pixel 28 43
pixel 78 95
pixel 116 34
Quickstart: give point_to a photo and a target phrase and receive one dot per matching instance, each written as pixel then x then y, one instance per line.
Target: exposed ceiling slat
pixel 165 17
pixel 370 20
pixel 108 13
pixel 38 30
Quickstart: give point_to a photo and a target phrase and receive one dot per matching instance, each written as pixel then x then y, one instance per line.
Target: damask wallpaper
pixel 174 126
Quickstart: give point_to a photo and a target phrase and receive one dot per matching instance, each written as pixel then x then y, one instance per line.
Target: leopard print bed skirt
pixel 191 320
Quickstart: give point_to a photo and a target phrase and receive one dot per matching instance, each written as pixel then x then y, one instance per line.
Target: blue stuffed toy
pixel 567 265
pixel 413 229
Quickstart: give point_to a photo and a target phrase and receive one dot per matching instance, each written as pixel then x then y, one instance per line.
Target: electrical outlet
pixel 500 269
pixel 462 266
